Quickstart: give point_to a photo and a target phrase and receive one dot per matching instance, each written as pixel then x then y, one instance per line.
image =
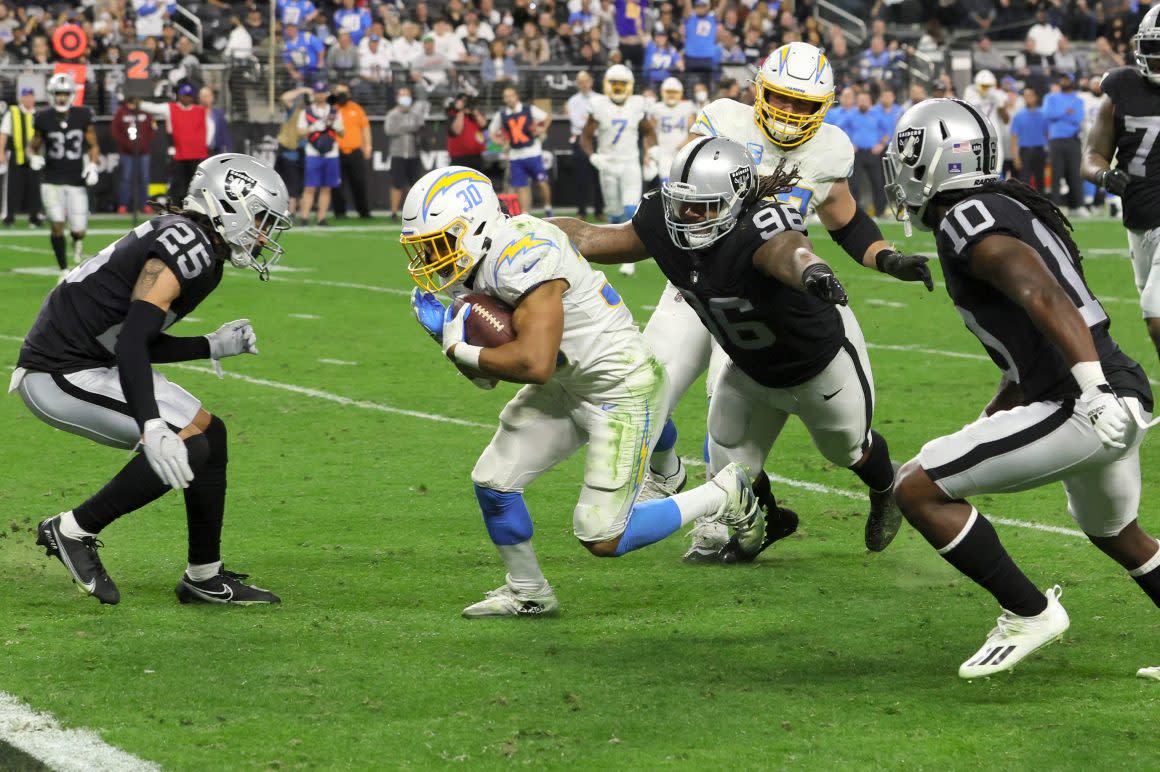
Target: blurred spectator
pixel 700 94
pixel 342 58
pixel 1105 57
pixel 191 133
pixel 985 57
pixel 402 126
pixel 917 94
pixel 240 43
pixel 186 64
pixel 303 52
pixel 977 14
pixel 1066 61
pixel 563 45
pixel 729 88
pixel 465 139
pixel 374 60
pixel 133 134
pixel 519 127
pixel 474 43
pixel 23 191
pixel 578 109
pixel 630 15
pixel 300 13
pixel 755 46
pixel 499 68
pixel 407 48
pixel 661 58
pixel 356 21
pixel 888 110
pixel 877 61
pixel 290 162
pixel 869 134
pixel 532 50
pixel 1064 112
pixel 255 24
pixel 1028 147
pixel 221 143
pixel 701 20
pixel 321 126
pixel 150 16
pixel 431 72
pixel 1045 34
pixel 447 43
pixel 730 48
pixel 934 39
pixel 355 148
pixel 474 26
pixel 841 113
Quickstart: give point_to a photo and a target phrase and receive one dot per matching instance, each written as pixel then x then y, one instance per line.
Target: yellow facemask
pixel 782 127
pixel 436 260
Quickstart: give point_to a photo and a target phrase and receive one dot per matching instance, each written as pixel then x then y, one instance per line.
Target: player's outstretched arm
pixel 789 258
pixel 604 244
pixel 861 238
pixel 530 358
pixel 1100 147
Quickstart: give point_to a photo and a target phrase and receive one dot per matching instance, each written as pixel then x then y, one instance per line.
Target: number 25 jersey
pixel 80 320
pixel 63 135
pixel 778 335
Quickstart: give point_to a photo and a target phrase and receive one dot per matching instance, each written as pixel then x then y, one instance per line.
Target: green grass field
pixel 351 445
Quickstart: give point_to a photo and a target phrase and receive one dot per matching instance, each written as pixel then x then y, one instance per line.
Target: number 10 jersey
pixel 80 320
pixel 778 335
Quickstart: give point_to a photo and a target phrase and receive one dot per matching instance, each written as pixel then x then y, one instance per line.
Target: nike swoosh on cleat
pixel 225 594
pixel 828 397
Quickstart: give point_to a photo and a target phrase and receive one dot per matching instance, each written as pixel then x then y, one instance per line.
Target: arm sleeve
pixel 156 109
pixel 142 325
pixel 171 348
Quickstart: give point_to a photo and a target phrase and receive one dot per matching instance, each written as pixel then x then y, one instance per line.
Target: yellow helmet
pixel 798 71
pixel 618 82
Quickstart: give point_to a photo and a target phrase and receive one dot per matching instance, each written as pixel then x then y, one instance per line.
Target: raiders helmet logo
pixel 910 145
pixel 742 179
pixel 238 185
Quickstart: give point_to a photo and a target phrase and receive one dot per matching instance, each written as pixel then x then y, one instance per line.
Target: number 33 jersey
pixel 80 320
pixel 778 335
pixel 63 135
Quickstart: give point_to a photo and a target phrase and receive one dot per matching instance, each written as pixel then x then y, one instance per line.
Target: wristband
pixel 1088 375
pixel 467 355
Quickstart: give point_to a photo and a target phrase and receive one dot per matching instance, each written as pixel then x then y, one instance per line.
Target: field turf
pixel 351 444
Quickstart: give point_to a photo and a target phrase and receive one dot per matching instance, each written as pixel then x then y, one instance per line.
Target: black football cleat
pixel 80 557
pixel 884 520
pixel 226 587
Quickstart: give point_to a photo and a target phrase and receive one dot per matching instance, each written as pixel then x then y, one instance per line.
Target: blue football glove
pixel 453 326
pixel 429 313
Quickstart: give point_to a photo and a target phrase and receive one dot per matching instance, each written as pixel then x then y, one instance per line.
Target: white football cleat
pixel 740 508
pixel 78 252
pixel 1015 637
pixel 708 539
pixel 506 601
pixel 1149 672
pixel 628 269
pixel 660 487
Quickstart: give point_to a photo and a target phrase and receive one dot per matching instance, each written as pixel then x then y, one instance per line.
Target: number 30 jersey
pixel 778 335
pixel 63 135
pixel 1008 334
pixel 80 320
pixel 1137 104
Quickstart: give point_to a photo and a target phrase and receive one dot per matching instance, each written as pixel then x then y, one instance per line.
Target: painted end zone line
pixel 66 750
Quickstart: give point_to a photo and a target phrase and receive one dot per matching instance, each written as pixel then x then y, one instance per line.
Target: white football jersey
pixel 826 158
pixel 601 344
pixel 618 126
pixel 673 123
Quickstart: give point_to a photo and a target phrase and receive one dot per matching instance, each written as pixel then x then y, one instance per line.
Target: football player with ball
pixel 591 380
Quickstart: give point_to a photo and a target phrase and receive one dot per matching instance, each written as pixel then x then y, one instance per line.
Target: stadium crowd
pixel 449 61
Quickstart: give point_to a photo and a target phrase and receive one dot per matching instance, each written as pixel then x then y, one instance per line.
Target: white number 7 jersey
pixel 618 126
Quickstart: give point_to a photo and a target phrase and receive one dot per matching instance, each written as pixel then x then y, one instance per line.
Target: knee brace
pixel 505 515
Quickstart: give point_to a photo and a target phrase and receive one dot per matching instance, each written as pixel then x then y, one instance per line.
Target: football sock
pixel 132 488
pixel 703 500
pixel 200 572
pixel 205 499
pixel 58 250
pixel 648 522
pixel 978 554
pixel 664 459
pixel 876 471
pixel 1148 577
pixel 70 528
pixel 523 569
pixel 509 524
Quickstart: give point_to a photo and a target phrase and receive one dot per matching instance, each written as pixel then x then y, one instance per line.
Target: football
pixel 490 322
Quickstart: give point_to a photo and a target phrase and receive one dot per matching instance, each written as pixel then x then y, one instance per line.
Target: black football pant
pixel 23 193
pixel 1065 161
pixel 1034 166
pixel 180 173
pixel 354 174
pixel 868 172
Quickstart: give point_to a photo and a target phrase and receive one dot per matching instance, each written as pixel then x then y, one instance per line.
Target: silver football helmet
pixel 711 182
pixel 1146 45
pixel 62 90
pixel 248 204
pixel 938 145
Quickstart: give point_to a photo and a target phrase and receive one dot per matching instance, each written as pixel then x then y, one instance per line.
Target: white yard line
pixel 339 362
pixel 66 750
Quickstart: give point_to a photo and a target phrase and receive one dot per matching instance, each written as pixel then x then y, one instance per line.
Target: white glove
pixel 35 162
pixel 650 170
pixel 598 161
pixel 231 339
pixel 453 326
pixel 1107 414
pixel 3 168
pixel 166 454
pixel 90 174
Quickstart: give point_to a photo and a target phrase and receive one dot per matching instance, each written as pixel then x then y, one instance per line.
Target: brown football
pixel 490 322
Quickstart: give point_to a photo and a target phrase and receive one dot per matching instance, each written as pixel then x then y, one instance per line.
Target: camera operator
pixel 320 124
pixel 465 141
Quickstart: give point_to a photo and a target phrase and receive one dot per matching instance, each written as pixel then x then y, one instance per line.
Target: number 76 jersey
pixel 80 320
pixel 778 335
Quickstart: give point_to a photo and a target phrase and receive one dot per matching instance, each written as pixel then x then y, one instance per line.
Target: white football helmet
pixel 618 83
pixel 672 91
pixel 938 145
pixel 62 89
pixel 248 204
pixel 985 81
pixel 1146 45
pixel 447 216
pixel 798 71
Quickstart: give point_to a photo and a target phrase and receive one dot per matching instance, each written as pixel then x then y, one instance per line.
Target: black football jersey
pixel 1137 104
pixel 79 322
pixel 778 335
pixel 63 135
pixel 1008 334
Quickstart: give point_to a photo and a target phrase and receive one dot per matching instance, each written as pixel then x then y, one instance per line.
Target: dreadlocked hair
pixel 779 181
pixel 199 219
pixel 1040 205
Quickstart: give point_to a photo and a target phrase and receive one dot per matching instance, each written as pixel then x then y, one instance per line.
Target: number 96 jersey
pixel 80 320
pixel 63 135
pixel 778 335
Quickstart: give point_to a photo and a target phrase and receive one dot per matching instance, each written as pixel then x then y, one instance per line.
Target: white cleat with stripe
pixel 1015 637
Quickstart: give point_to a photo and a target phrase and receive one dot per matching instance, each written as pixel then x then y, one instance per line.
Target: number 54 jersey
pixel 80 320
pixel 778 335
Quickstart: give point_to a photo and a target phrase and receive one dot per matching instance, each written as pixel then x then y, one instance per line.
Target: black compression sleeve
pixel 142 325
pixel 170 348
pixel 857 235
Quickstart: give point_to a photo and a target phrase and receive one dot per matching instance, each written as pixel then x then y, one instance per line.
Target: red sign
pixel 70 41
